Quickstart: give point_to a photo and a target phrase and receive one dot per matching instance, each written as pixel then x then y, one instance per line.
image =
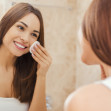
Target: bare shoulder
pixel 93 97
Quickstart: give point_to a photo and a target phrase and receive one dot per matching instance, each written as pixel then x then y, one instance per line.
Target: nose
pixel 24 37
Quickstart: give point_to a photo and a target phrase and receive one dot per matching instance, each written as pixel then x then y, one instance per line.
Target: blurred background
pixel 62 19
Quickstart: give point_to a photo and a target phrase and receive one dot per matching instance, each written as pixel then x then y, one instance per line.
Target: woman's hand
pixel 42 57
pixel 103 75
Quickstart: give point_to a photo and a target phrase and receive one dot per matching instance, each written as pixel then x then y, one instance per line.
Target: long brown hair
pixel 25 67
pixel 96 28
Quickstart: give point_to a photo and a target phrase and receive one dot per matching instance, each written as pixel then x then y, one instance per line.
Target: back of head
pixel 96 28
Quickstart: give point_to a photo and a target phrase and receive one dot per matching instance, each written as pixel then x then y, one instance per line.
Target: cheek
pixel 32 41
pixel 9 36
pixel 84 53
pixel 84 49
pixel 80 38
pixel 88 56
pixel 7 40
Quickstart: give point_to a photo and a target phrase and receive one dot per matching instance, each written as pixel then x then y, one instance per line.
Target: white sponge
pixel 35 43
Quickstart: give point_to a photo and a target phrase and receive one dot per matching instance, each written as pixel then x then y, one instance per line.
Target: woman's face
pixel 87 54
pixel 22 34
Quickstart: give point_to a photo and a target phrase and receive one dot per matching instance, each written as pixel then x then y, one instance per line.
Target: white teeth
pixel 19 45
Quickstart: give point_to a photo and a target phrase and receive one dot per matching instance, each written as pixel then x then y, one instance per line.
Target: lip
pixel 19 47
pixel 20 44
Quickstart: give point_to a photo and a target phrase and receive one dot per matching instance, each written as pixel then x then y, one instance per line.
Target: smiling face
pixel 22 34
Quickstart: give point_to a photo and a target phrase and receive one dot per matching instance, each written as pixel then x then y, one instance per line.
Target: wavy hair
pixel 25 67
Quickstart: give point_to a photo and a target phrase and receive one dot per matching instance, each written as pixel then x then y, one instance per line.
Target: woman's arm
pixel 39 99
pixel 44 60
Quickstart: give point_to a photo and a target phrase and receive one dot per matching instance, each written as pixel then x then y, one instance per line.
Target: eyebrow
pixel 24 24
pixel 36 31
pixel 27 26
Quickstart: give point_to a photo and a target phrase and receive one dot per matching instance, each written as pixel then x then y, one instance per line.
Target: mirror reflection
pixel 65 72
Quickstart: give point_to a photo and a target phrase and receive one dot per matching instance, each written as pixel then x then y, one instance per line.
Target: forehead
pixel 31 20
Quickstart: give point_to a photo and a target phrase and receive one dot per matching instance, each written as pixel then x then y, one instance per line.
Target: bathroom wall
pixel 62 19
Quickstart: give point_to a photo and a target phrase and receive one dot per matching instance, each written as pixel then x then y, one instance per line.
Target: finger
pixel 39 61
pixel 39 57
pixel 48 58
pixel 43 50
pixel 36 59
pixel 40 52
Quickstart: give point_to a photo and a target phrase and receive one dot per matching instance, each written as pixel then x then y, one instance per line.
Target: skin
pixel 92 97
pixel 23 31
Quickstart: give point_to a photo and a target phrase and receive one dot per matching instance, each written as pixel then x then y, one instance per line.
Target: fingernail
pixel 33 50
pixel 32 54
pixel 36 45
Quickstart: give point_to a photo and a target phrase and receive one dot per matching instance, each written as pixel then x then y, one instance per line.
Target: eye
pixel 20 27
pixel 33 34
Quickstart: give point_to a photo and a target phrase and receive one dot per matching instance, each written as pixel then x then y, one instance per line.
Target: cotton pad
pixel 35 43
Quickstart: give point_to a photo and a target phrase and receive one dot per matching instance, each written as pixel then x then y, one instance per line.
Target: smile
pixel 19 46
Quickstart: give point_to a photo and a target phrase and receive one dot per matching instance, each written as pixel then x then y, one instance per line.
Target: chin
pixel 18 54
pixel 84 61
pixel 88 62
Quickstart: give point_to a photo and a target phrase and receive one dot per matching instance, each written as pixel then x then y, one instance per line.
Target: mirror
pixel 62 20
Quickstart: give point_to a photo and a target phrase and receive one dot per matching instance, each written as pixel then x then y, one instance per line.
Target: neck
pixel 107 70
pixel 7 59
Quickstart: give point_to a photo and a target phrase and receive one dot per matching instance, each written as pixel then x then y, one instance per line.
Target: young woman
pixel 96 49
pixel 22 74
